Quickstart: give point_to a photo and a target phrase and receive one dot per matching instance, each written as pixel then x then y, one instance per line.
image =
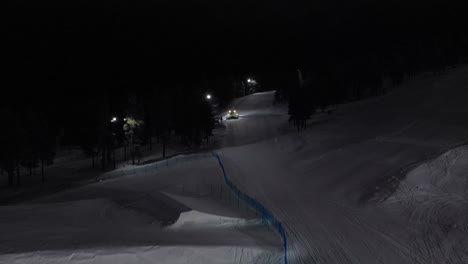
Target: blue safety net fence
pixel 265 215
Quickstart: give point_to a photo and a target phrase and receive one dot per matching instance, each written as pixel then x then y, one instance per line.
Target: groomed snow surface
pixel 382 180
pixel 140 215
pixel 334 185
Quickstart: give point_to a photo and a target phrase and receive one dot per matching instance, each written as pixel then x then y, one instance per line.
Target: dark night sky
pixel 62 56
pixel 120 44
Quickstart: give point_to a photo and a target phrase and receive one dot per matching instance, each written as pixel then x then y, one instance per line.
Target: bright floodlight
pixel 249 80
pixel 208 96
pixel 114 119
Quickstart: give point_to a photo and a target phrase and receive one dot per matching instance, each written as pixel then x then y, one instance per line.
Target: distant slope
pixel 318 182
pixel 259 119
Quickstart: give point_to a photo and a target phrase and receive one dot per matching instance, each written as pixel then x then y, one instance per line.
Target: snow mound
pixel 437 191
pixel 434 197
pixel 124 218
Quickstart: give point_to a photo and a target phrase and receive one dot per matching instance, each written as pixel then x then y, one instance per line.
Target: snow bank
pixel 436 191
pixel 121 220
pixel 434 195
pixel 100 231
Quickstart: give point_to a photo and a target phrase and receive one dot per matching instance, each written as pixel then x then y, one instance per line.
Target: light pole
pixel 250 83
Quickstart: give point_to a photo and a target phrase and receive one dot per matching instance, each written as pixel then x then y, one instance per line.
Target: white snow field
pixel 126 218
pixel 382 180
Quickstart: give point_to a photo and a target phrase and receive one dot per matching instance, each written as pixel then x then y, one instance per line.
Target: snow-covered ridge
pixel 116 220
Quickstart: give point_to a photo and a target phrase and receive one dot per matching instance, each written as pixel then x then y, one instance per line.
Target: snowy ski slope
pixel 327 184
pixel 378 181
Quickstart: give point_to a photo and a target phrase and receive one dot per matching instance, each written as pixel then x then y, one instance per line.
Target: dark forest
pixel 70 66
